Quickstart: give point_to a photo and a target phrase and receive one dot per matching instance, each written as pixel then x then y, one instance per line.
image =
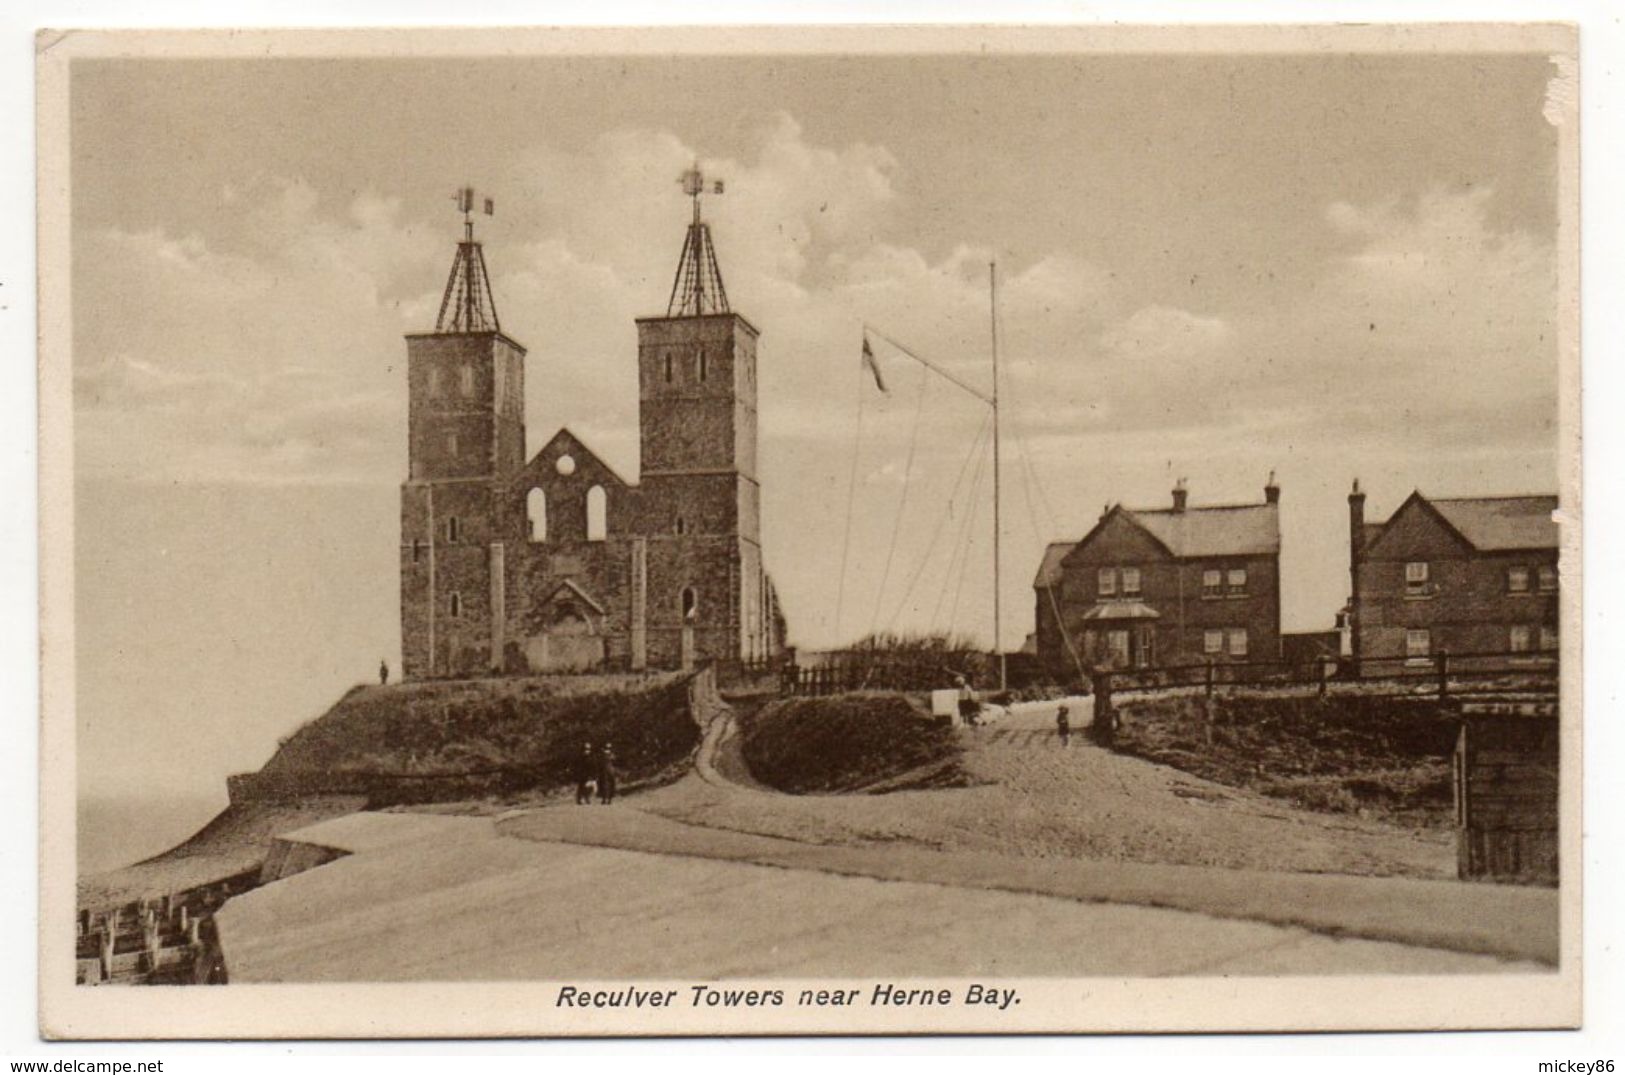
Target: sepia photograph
pixel 707 531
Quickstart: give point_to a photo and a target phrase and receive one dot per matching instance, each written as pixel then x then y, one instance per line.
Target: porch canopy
pixel 1119 612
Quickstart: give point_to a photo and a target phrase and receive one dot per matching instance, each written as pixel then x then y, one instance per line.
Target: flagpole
pixel 993 328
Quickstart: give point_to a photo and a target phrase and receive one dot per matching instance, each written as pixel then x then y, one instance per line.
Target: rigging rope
pixel 851 493
pixel 941 527
pixel 902 501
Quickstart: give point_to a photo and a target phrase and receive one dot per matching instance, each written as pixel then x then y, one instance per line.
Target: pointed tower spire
pixel 468 305
pixel 697 288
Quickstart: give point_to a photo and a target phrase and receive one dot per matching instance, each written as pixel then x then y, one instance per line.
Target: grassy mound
pixel 849 742
pixel 437 741
pixel 1377 757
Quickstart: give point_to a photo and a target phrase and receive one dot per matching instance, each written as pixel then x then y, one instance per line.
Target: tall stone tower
pixel 466 441
pixel 707 593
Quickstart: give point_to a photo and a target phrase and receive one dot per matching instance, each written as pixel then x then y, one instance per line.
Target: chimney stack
pixel 1179 495
pixel 1272 492
pixel 1356 519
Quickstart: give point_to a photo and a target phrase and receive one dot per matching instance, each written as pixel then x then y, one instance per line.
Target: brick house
pixel 556 563
pixel 1463 575
pixel 1164 586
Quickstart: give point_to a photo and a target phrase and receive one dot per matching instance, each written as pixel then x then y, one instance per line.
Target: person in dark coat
pixel 586 774
pixel 1063 725
pixel 383 673
pixel 606 774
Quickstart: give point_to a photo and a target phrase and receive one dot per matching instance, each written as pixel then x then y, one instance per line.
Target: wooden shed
pixel 1505 771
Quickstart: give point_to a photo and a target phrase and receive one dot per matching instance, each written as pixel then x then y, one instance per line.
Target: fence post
pixel 1444 674
pixel 1320 673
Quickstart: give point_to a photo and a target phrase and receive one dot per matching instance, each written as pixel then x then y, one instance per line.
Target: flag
pixel 465 199
pixel 873 366
pixel 718 187
pixel 490 207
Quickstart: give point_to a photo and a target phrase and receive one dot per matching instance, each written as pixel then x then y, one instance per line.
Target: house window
pixel 1548 578
pixel 682 525
pixel 597 513
pixel 1212 642
pixel 1237 637
pixel 1548 638
pixel 1517 580
pixel 467 379
pixel 690 604
pixel 1212 582
pixel 454 529
pixel 668 367
pixel 1418 643
pixel 703 364
pixel 1131 582
pixel 456 606
pixel 1106 582
pixel 1518 638
pixel 536 512
pixel 1236 581
pixel 417 549
pixel 1416 578
pixel 434 380
pixel 451 444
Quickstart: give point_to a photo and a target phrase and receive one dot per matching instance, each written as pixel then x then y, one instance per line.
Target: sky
pixel 1209 267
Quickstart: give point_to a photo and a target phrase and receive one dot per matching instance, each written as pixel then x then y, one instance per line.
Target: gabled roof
pixel 1231 530
pixel 569 586
pixel 1501 522
pixel 1049 569
pixel 1225 530
pixel 574 445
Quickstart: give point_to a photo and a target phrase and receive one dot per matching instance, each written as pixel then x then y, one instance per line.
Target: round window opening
pixel 566 465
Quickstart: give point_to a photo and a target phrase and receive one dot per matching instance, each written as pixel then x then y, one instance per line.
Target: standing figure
pixel 968 705
pixel 1063 725
pixel 383 673
pixel 606 775
pixel 586 774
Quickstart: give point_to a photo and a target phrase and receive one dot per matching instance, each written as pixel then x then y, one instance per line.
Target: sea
pixel 118 831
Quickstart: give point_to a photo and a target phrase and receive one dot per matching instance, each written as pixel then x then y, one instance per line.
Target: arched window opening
pixel 536 512
pixel 434 380
pixel 468 380
pixel 682 525
pixel 597 513
pixel 690 604
pixel 668 367
pixel 456 606
pixel 703 365
pixel 451 444
pixel 454 529
pixel 417 549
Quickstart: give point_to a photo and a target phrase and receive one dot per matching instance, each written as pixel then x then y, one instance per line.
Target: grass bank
pixel 862 741
pixel 439 741
pixel 1383 758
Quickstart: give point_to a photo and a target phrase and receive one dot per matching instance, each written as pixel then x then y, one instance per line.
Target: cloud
pixel 270 351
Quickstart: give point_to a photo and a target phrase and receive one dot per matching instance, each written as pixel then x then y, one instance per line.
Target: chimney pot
pixel 1179 495
pixel 1272 491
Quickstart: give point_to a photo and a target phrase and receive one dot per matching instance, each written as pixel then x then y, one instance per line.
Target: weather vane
pixel 468 305
pixel 693 181
pixel 465 205
pixel 697 288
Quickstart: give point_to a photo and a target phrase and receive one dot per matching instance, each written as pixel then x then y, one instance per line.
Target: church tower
pixel 466 441
pixel 707 594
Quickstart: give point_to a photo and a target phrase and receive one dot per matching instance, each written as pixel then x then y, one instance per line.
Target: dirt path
pixel 1035 798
